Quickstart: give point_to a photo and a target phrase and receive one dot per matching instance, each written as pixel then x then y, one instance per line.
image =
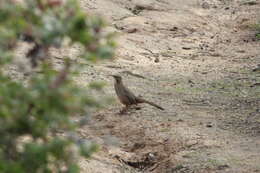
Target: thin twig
pixel 61 76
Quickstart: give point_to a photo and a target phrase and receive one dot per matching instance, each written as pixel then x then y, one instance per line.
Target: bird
pixel 127 97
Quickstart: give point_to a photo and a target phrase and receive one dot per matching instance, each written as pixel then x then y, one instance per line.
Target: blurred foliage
pixel 32 114
pixel 256 27
pixel 258 31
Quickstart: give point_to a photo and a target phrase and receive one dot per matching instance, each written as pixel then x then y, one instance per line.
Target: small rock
pixel 191 82
pixel 174 28
pixel 221 167
pixel 192 142
pixel 131 30
pixel 180 120
pixel 209 125
pixel 257 68
pixel 205 5
pixel 241 51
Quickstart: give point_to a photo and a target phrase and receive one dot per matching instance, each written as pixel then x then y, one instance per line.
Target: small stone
pixel 192 142
pixel 131 30
pixel 156 60
pixel 205 5
pixel 221 167
pixel 174 28
pixel 209 125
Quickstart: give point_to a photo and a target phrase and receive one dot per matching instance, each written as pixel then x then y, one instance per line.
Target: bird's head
pixel 117 78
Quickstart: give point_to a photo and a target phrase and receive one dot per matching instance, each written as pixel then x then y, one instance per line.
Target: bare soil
pixel 196 58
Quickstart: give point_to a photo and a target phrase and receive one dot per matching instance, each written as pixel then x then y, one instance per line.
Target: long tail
pixel 141 100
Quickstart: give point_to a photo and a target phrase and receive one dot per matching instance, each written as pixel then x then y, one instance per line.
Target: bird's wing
pixel 129 95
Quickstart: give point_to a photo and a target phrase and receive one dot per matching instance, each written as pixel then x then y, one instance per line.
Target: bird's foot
pixel 137 107
pixel 123 111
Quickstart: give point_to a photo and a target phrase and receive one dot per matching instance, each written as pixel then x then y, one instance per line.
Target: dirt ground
pixel 197 59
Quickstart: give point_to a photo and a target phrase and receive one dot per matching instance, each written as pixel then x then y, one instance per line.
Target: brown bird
pixel 126 97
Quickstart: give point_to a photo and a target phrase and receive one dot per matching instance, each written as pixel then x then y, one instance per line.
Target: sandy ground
pixel 196 58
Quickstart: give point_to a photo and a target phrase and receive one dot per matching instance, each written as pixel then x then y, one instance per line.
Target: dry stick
pixel 61 76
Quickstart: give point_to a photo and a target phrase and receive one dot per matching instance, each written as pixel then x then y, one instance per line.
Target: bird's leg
pixel 124 110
